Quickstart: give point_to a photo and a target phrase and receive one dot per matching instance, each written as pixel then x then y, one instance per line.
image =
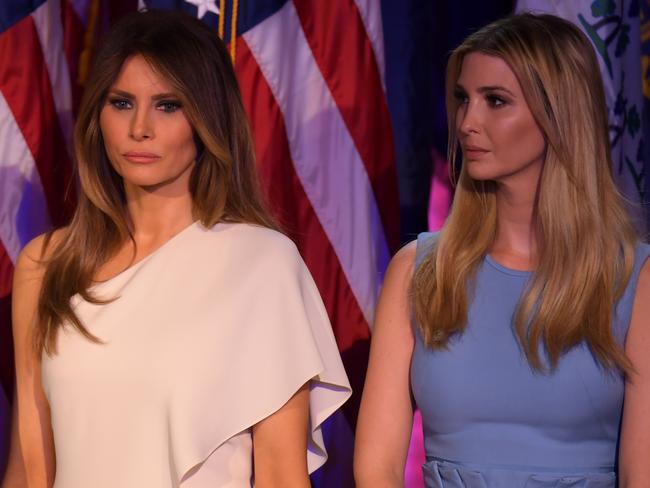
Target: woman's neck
pixel 515 244
pixel 155 218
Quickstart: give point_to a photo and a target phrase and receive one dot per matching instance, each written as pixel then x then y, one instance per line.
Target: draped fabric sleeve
pixel 208 335
pixel 264 333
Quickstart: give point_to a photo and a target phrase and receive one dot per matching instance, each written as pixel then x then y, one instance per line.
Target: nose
pixel 468 118
pixel 141 125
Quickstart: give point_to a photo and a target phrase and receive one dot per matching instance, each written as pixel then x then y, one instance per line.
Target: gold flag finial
pixel 233 30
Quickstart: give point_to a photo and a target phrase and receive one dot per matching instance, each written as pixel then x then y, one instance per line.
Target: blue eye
pixel 120 103
pixel 169 106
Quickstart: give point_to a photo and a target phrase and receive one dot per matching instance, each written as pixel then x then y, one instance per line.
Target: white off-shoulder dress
pixel 207 336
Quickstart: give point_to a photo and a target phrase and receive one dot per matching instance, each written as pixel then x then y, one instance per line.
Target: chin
pixel 482 172
pixel 142 179
pixel 147 181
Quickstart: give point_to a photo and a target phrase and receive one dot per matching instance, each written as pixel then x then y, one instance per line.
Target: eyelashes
pixel 166 106
pixel 120 103
pixel 493 100
pixel 169 106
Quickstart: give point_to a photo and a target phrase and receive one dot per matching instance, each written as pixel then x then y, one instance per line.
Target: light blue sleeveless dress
pixel 490 421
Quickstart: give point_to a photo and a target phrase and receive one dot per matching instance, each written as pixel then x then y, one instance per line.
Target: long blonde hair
pixel 585 238
pixel 223 182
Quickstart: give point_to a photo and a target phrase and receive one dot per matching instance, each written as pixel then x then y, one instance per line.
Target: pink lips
pixel 141 157
pixel 474 152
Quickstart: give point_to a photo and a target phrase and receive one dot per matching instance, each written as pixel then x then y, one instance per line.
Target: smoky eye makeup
pixel 120 103
pixel 169 106
pixel 123 101
pixel 119 99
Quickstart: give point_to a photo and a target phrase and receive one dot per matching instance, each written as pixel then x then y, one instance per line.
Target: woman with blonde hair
pixel 520 327
pixel 169 336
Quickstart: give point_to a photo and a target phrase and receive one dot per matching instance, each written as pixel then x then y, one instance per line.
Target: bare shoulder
pixel 402 265
pixel 393 308
pixel 32 260
pixel 642 296
pixel 638 337
pixel 32 453
pixel 635 432
pixel 39 249
pixel 406 255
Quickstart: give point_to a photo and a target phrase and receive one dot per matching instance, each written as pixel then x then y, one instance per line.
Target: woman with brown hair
pixel 519 328
pixel 169 336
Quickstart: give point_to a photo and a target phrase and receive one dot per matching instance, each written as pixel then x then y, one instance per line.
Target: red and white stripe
pixel 22 198
pixel 324 155
pixel 337 131
pixel 371 16
pixel 47 21
pixel 346 58
pixel 36 127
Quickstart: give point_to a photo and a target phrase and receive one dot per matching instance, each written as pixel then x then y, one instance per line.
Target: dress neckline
pixel 504 269
pixel 140 262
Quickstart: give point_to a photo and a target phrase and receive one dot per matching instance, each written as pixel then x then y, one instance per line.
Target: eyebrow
pixel 157 96
pixel 488 88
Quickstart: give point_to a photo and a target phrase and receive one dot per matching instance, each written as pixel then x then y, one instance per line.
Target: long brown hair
pixel 585 238
pixel 223 182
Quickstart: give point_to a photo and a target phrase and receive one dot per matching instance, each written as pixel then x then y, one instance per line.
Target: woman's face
pixel 148 139
pixel 498 135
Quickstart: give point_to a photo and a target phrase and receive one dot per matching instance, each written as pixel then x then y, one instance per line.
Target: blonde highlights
pixel 585 238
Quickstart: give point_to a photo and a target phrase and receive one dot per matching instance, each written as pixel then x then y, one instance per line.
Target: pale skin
pixel 150 144
pixel 501 142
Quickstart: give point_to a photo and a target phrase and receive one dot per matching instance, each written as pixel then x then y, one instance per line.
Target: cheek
pixel 181 140
pixel 460 115
pixel 109 127
pixel 521 137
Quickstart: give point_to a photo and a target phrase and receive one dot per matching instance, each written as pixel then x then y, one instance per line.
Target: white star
pixel 204 6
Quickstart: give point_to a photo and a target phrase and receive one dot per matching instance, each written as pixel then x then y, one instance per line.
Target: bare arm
pixel 280 445
pixel 386 415
pixel 31 459
pixel 634 456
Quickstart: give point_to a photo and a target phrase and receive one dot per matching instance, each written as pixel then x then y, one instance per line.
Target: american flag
pixel 311 74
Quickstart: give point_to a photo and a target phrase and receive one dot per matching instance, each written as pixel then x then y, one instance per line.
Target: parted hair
pixel 223 182
pixel 585 237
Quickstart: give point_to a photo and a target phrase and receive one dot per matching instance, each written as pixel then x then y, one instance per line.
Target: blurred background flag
pixel 614 28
